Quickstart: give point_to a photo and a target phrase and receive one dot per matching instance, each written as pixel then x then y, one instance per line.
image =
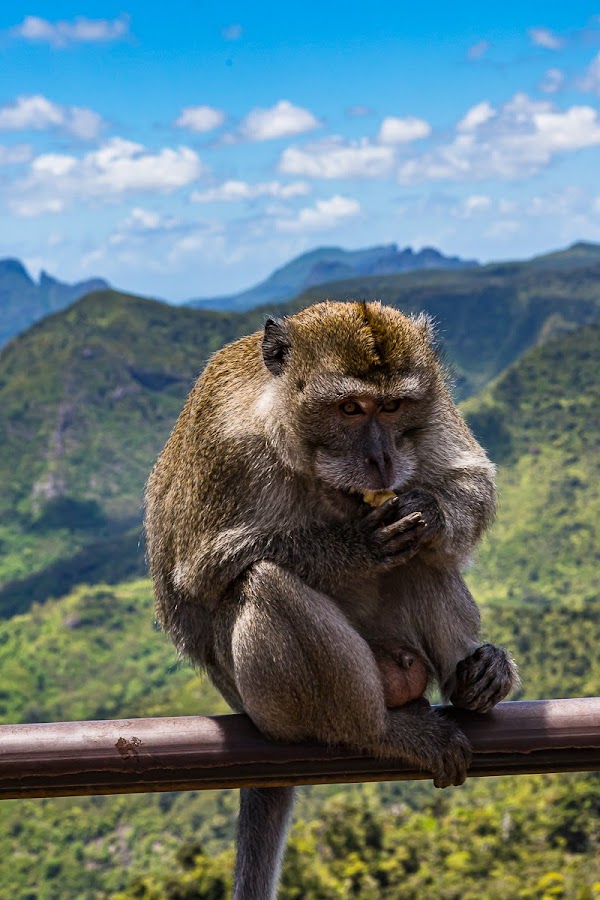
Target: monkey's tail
pixel 265 814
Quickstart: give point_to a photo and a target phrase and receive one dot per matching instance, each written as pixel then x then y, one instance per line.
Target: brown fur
pixel 273 574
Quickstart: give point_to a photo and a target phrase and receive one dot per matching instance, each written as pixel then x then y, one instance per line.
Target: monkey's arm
pixel 322 554
pixel 325 554
pixel 457 507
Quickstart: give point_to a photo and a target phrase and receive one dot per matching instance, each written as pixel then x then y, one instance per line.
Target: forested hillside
pixel 88 396
pixel 95 653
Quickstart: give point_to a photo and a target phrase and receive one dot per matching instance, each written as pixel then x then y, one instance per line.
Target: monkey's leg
pixel 293 662
pixel 484 678
pixel 434 610
pixel 303 672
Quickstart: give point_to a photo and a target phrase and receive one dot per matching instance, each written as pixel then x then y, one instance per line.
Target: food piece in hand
pixel 404 676
pixel 377 498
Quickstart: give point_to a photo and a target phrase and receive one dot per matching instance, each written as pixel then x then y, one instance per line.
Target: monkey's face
pixel 364 441
pixel 356 386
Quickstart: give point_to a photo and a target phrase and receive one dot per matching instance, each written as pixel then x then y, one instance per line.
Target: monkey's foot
pixel 450 753
pixel 484 678
pixel 451 765
pixel 431 742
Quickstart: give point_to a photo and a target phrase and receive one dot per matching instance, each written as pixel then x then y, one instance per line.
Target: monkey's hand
pixel 389 541
pixel 425 503
pixel 484 678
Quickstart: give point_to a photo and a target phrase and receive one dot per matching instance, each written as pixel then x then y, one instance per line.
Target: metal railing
pixel 202 753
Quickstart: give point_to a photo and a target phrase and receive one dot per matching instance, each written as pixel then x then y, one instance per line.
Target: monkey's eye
pixel 391 406
pixel 350 408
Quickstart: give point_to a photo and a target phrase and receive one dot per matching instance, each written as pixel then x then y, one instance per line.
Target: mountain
pixel 576 256
pixel 94 653
pixel 490 315
pixel 87 399
pixel 326 264
pixel 23 302
pixel 89 394
pixel 540 422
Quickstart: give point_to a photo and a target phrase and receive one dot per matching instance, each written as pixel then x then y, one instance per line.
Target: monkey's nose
pixel 380 466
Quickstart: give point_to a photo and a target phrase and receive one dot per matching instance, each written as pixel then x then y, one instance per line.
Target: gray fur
pixel 265 814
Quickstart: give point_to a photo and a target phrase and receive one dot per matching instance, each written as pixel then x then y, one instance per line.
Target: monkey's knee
pixel 301 670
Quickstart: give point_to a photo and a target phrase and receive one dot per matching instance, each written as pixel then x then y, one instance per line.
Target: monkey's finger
pixel 406 526
pixel 381 513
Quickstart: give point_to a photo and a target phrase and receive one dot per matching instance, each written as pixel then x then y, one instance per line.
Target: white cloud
pixel 478 50
pixel 401 131
pixel 200 118
pixel 140 219
pixel 37 113
pixel 208 241
pixel 591 79
pixel 474 205
pixel 118 167
pixel 543 37
pixel 324 215
pixel 336 158
pixel 552 81
pixel 78 30
pixel 476 116
pixel 281 120
pixel 240 190
pixel 518 141
pixel 15 155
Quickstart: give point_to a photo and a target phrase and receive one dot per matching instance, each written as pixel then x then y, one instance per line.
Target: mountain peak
pixel 324 265
pixel 23 302
pixel 10 266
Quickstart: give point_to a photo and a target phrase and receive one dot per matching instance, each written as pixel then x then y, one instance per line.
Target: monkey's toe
pixel 452 757
pixel 483 679
pixel 453 765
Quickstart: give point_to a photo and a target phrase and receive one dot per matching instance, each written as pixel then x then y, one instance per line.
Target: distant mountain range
pixel 88 396
pixel 23 302
pixel 327 264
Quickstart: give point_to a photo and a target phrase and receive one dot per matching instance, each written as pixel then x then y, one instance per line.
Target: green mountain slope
pixel 23 302
pixel 95 653
pixel 87 399
pixel 88 396
pixel 541 422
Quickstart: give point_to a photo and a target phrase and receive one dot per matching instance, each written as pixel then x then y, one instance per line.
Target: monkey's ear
pixel 276 345
pixel 426 326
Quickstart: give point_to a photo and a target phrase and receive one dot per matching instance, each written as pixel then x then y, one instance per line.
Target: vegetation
pixel 95 653
pixel 528 838
pixel 86 399
pixel 88 396
pixel 540 421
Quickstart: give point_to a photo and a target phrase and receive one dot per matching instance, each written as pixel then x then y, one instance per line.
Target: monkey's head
pixel 353 387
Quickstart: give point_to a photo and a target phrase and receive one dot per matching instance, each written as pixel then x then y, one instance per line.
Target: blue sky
pixel 188 149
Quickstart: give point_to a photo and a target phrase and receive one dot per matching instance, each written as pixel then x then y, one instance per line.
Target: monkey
pixel 273 574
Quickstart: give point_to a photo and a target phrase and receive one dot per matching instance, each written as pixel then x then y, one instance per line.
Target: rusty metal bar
pixel 201 753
